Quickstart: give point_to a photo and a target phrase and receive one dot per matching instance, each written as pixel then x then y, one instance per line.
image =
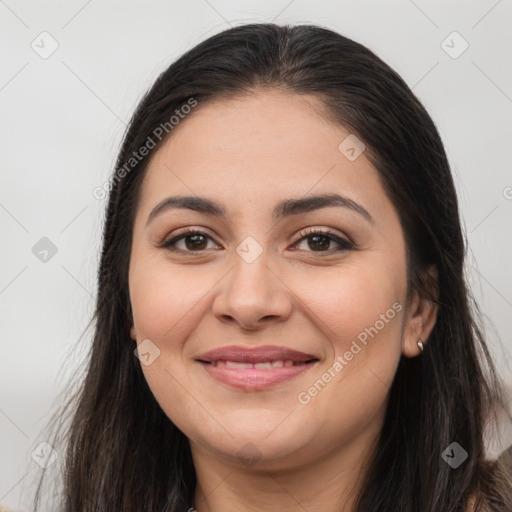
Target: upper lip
pixel 255 355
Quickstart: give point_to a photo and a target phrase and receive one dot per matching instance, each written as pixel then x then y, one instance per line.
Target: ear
pixel 133 333
pixel 421 315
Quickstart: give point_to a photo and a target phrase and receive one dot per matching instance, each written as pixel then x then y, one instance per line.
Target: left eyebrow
pixel 283 209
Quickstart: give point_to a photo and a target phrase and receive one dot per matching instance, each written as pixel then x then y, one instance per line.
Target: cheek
pixel 359 309
pixel 165 305
pixel 350 299
pixel 163 298
pixel 361 313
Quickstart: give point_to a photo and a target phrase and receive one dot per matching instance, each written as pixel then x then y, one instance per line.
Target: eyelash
pixel 345 245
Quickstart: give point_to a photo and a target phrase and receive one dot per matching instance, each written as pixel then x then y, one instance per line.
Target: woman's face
pixel 259 279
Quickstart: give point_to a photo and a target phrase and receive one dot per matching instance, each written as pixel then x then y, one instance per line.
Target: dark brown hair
pixel 123 452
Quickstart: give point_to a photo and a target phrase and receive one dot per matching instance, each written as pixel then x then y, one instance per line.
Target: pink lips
pixel 255 368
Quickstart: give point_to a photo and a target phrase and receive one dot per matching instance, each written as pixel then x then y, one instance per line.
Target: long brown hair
pixel 124 454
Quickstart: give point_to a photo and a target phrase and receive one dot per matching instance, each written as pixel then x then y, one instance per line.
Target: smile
pixel 255 368
pixel 262 366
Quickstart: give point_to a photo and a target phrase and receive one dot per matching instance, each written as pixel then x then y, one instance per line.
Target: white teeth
pixel 262 366
pixel 240 366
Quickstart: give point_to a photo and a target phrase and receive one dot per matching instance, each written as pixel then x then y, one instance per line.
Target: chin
pixel 259 454
pixel 264 444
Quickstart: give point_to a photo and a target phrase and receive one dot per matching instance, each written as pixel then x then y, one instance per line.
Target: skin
pixel 248 153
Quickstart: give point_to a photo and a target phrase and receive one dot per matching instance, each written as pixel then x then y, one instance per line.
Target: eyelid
pixel 324 231
pixel 344 242
pixel 182 233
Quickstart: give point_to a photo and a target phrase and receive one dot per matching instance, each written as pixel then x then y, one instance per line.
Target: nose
pixel 252 295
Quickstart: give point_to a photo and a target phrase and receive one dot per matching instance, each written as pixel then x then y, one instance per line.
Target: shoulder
pixel 5 508
pixel 472 505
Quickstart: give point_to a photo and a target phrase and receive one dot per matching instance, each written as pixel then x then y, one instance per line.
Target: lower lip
pixel 254 379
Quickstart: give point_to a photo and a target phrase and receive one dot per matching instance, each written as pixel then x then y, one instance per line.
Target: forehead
pixel 256 149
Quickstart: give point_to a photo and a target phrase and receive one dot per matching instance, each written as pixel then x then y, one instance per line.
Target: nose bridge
pixel 250 250
pixel 251 270
pixel 252 290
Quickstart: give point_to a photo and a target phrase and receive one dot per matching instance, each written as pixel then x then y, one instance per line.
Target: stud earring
pixel 420 344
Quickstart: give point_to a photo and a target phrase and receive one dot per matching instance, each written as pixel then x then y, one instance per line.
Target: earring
pixel 420 344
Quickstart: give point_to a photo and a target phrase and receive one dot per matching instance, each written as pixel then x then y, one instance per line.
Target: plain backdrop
pixel 62 119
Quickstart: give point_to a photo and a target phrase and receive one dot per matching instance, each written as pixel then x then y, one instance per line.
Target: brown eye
pixel 319 241
pixel 194 241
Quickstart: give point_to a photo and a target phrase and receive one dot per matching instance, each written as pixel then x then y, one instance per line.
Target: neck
pixel 329 483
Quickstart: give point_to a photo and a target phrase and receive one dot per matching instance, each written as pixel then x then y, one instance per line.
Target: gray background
pixel 62 121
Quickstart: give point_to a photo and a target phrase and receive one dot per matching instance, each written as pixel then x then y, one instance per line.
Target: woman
pixel 282 320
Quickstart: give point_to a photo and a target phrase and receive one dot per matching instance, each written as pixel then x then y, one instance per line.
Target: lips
pixel 253 369
pixel 269 353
